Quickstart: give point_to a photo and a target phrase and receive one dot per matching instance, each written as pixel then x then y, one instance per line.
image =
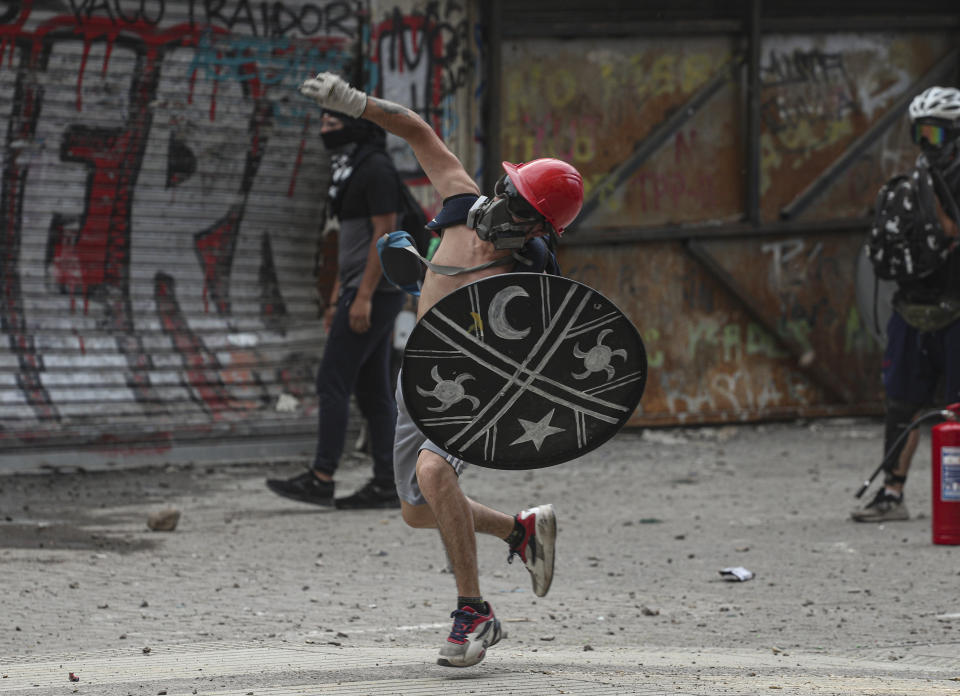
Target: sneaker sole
pixel 444 662
pixel 547 529
pixel 871 518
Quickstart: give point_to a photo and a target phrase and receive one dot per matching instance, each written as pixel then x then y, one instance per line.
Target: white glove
pixel 331 92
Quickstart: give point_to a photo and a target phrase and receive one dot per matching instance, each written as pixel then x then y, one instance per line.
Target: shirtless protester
pixel 531 201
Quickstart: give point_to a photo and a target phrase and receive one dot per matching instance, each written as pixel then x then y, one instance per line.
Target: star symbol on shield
pixel 537 431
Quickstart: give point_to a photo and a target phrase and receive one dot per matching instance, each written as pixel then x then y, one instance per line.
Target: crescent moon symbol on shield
pixel 497 317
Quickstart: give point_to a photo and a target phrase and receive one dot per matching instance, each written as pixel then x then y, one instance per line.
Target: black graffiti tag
pixel 267 19
pixel 149 12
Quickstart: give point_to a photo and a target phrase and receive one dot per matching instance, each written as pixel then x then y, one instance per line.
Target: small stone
pixel 164 520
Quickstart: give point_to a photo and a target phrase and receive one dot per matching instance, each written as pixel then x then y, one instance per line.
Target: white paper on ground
pixel 737 574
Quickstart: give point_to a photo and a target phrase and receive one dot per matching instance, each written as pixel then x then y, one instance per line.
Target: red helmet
pixel 551 186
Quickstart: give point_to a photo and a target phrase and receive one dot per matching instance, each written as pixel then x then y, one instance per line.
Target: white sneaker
pixel 537 547
pixel 471 635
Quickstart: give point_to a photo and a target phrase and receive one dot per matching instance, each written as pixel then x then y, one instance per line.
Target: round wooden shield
pixel 522 371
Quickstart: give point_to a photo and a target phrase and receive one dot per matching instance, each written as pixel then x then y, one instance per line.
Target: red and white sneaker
pixel 536 550
pixel 471 635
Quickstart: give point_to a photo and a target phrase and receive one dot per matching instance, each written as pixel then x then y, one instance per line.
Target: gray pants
pixel 407 443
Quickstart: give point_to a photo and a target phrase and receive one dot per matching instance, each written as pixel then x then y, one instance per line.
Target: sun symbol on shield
pixel 448 391
pixel 598 358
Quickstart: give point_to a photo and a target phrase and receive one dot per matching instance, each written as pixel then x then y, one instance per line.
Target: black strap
pixel 946 196
pixel 456 270
pixel 876 295
pixel 453 212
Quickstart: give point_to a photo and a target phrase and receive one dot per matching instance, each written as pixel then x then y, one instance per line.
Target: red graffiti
pixel 88 254
pixel 215 246
pixel 202 369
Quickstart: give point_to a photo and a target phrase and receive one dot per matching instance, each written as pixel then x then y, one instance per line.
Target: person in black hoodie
pixel 922 355
pixel 364 195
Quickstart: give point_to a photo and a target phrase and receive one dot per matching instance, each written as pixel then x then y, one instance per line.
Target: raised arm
pixel 441 166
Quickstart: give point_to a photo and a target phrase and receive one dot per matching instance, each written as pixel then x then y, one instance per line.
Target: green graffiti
pixel 655 358
pixel 761 342
pixel 732 343
pixel 705 332
pixel 856 337
pixel 729 338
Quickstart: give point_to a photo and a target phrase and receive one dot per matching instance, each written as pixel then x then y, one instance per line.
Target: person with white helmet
pixel 532 202
pixel 915 242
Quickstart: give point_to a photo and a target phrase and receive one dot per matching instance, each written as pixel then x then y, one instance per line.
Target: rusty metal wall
pixel 819 94
pixel 594 104
pixel 739 274
pixel 162 187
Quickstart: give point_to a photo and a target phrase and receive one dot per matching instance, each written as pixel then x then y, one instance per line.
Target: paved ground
pixel 252 594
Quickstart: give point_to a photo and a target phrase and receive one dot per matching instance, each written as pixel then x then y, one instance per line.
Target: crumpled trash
pixel 287 403
pixel 74 677
pixel 737 574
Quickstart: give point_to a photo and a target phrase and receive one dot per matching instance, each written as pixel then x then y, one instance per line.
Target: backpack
pixel 413 220
pixel 410 217
pixel 907 240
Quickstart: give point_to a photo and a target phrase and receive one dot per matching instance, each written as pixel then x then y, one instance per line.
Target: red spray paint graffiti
pixel 88 254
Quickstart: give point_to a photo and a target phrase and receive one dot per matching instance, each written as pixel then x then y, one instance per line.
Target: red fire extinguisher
pixel 945 438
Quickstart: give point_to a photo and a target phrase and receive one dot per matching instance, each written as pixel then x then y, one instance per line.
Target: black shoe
pixel 306 488
pixel 371 497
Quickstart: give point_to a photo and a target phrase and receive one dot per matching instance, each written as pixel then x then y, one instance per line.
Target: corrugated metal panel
pixel 162 185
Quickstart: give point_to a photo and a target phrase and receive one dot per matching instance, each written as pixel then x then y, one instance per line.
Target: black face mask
pixel 336 139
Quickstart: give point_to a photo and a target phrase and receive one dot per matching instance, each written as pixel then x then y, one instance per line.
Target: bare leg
pixel 906 457
pixel 458 518
pixel 485 520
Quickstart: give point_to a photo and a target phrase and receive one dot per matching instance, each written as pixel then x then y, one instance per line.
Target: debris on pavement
pixel 164 520
pixel 737 574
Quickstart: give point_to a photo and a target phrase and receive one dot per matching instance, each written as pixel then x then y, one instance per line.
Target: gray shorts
pixel 407 444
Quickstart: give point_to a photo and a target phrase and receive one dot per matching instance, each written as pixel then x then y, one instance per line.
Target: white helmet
pixel 936 102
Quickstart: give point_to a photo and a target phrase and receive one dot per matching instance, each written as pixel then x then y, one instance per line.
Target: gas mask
pixel 505 220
